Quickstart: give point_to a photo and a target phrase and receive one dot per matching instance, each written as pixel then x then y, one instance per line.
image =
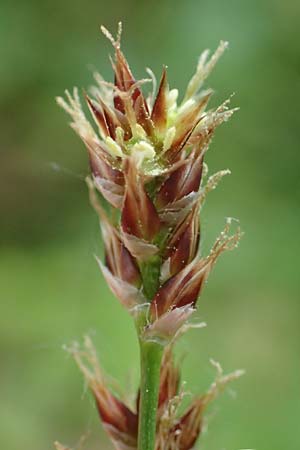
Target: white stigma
pixel 169 137
pixel 186 106
pixel 113 148
pixel 120 136
pixel 139 131
pixel 172 99
pixel 142 150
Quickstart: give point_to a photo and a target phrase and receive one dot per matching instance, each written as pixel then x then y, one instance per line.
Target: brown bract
pixel 139 215
pixel 159 115
pixel 186 124
pixel 180 290
pixel 119 421
pixel 184 288
pixel 182 181
pixel 183 243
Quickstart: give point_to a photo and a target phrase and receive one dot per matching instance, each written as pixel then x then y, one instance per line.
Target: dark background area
pixel 51 290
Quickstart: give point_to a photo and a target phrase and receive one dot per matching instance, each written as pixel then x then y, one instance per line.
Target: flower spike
pixel 139 216
pixel 148 183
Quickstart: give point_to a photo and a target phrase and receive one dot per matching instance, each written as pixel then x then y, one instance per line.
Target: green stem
pixel 150 360
pixel 150 354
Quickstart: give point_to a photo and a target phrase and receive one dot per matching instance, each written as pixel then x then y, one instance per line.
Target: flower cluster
pixel 174 431
pixel 148 183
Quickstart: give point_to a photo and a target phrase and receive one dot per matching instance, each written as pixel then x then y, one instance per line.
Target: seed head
pixel 147 160
pixel 175 431
pixel 147 185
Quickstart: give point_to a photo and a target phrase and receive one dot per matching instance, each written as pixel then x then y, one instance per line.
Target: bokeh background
pixel 51 289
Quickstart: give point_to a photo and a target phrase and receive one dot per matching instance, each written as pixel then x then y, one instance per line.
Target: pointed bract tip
pixel 115 42
pixel 118 420
pixel 168 325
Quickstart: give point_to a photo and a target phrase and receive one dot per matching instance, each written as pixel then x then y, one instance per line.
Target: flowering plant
pixel 148 183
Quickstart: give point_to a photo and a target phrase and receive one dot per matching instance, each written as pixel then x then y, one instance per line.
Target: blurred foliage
pixel 51 290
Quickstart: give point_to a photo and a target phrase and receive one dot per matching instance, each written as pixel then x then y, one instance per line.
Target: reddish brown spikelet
pixel 169 379
pixel 125 266
pixel 182 181
pixel 118 259
pixel 124 79
pixel 182 289
pixel 118 420
pixel 101 167
pixel 107 180
pixel 189 425
pixel 120 423
pixel 159 111
pixel 115 413
pixel 142 116
pixel 183 244
pixel 98 115
pixel 139 216
pixel 181 142
pixel 186 126
pixel 111 118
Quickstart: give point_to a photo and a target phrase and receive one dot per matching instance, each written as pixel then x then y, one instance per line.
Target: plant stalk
pixel 151 355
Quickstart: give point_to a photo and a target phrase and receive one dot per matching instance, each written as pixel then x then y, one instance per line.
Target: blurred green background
pixel 51 289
